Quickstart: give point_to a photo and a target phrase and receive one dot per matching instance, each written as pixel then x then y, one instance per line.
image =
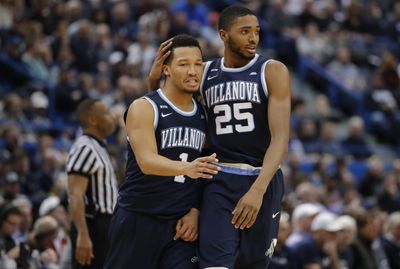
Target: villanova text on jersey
pixel 236 103
pixel 180 136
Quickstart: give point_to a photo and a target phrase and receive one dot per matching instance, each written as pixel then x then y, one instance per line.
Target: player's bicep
pixel 278 83
pixel 140 129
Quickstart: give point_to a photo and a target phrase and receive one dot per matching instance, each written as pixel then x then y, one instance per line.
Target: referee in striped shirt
pixel 92 185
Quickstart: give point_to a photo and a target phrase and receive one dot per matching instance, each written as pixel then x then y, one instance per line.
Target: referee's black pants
pixel 98 231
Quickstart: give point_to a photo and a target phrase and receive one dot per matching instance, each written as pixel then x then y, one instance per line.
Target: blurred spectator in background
pixel 319 250
pixel 345 72
pixel 355 144
pixel 366 256
pixel 61 243
pixel 25 207
pixel 345 239
pixel 302 218
pixel 391 240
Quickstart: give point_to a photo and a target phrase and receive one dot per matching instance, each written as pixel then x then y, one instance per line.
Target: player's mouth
pixel 192 82
pixel 251 49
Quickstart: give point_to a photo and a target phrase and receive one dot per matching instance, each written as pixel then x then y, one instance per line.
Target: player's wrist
pixel 259 189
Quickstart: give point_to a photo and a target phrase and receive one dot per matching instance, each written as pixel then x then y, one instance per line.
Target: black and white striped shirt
pixel 89 157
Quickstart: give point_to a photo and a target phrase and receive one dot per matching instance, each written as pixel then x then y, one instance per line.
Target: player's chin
pixel 190 89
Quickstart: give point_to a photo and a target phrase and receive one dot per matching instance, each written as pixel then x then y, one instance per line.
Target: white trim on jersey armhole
pixel 155 111
pixel 179 111
pixel 262 74
pixel 206 67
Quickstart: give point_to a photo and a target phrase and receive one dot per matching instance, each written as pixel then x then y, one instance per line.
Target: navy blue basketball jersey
pixel 180 136
pixel 235 100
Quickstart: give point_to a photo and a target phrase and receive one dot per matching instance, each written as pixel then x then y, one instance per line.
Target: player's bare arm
pixel 140 129
pixel 77 186
pixel 156 69
pixel 278 83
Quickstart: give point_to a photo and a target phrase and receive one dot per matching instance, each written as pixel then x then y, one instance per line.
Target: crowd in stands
pixel 56 53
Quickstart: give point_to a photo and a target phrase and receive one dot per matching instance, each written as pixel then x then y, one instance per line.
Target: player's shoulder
pixel 275 67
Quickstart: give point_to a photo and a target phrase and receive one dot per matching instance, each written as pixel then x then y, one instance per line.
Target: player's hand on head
pixel 246 210
pixel 162 54
pixel 203 167
pixel 187 226
pixel 84 249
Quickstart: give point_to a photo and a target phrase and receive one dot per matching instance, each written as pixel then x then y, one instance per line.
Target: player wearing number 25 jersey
pixel 155 220
pixel 247 101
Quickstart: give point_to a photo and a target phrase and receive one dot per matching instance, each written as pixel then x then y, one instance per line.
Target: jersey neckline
pixel 239 69
pixel 178 110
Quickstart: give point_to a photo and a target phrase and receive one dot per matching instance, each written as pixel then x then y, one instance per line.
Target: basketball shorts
pixel 221 245
pixel 142 242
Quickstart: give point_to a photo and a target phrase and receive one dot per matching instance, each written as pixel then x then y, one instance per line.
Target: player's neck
pixel 231 60
pixel 179 98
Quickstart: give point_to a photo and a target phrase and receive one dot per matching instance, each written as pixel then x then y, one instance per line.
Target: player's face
pixel 106 122
pixel 186 69
pixel 243 37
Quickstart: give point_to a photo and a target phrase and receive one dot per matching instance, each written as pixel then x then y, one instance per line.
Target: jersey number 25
pixel 226 117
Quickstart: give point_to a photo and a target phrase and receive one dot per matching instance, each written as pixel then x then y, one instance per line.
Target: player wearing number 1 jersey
pixel 155 221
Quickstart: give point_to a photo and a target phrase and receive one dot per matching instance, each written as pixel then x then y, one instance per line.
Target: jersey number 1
pixel 181 179
pixel 237 114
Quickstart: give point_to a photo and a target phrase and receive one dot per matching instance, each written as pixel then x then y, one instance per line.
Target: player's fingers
pixel 165 56
pixel 246 220
pixel 241 218
pixel 179 232
pixel 210 158
pixel 205 176
pixel 166 42
pixel 192 236
pixel 210 171
pixel 253 219
pixel 210 166
pixel 195 237
pixel 187 235
pixel 236 213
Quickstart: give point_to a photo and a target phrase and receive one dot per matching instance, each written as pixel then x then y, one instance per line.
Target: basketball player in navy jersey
pixel 155 221
pixel 247 101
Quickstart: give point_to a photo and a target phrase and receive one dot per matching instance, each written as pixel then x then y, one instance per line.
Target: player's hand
pixel 84 249
pixel 187 226
pixel 162 54
pixel 202 167
pixel 246 210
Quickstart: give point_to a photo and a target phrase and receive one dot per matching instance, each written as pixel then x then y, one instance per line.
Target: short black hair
pixel 8 210
pixel 182 41
pixel 84 109
pixel 230 14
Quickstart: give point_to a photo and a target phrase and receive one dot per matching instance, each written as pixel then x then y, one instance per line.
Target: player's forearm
pixel 77 211
pixel 155 164
pixel 153 83
pixel 273 157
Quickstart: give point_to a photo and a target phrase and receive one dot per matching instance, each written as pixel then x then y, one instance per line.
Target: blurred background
pixel 343 55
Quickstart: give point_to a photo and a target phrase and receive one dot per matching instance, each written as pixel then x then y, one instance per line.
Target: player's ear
pixel 166 70
pixel 223 34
